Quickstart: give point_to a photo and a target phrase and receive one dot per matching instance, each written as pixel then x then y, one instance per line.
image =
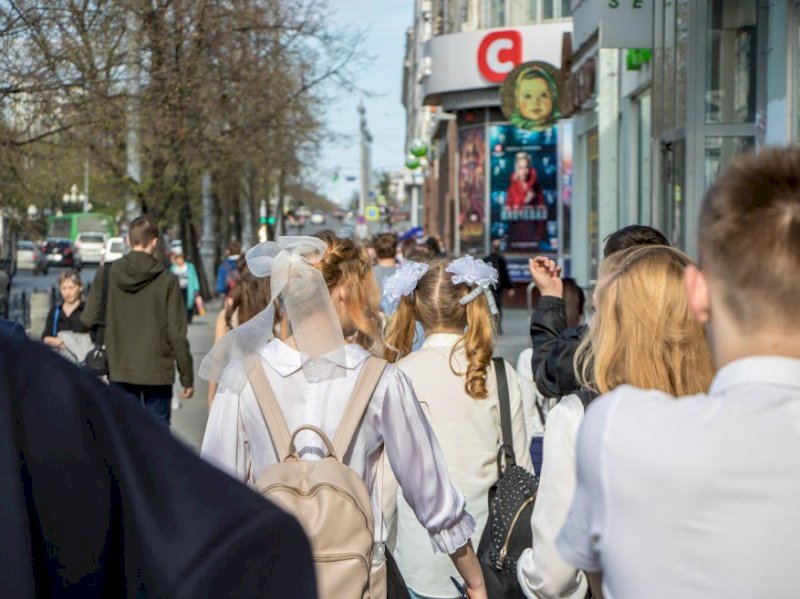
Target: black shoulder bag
pixel 97 359
pixel 508 528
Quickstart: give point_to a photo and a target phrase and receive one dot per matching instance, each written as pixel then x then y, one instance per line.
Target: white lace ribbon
pixel 478 274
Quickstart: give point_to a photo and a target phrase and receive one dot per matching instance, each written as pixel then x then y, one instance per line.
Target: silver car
pixel 31 257
pixel 90 247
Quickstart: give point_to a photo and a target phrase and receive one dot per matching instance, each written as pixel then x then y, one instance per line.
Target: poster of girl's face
pixel 529 96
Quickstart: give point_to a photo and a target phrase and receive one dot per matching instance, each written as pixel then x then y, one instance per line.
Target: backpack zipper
pixel 504 549
pixel 337 557
pixel 313 490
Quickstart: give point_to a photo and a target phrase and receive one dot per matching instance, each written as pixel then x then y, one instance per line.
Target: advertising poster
pixel 472 188
pixel 524 188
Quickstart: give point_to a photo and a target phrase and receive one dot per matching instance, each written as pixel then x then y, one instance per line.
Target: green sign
pixel 638 57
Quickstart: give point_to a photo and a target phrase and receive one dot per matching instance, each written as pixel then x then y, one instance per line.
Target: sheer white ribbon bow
pixel 403 282
pixel 478 274
pixel 304 295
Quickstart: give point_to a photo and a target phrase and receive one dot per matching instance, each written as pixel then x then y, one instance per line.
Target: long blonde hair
pixel 643 333
pixel 435 304
pixel 349 265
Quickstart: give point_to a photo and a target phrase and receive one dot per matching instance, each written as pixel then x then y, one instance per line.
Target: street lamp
pixel 73 197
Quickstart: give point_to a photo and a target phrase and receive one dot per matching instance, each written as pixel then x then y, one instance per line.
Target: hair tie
pixel 478 274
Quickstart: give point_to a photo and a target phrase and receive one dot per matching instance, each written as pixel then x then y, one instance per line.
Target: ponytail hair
pixel 435 303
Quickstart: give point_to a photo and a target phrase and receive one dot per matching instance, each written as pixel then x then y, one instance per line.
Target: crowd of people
pixel 647 451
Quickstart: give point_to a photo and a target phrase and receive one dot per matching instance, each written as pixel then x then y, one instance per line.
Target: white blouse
pixel 541 572
pixel 237 440
pixel 468 430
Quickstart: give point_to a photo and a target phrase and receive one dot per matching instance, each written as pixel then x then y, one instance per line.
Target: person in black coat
pixel 98 500
pixel 12 330
pixel 498 261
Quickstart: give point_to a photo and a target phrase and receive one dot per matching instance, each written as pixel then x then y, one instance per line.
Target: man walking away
pixel 146 323
pixel 228 272
pixel 385 246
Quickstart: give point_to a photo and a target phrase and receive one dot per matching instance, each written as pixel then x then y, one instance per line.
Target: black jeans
pixel 156 399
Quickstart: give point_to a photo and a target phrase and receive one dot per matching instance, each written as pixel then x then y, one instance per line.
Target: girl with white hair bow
pixel 328 295
pixel 453 376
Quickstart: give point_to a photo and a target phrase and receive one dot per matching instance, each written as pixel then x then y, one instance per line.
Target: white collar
pixel 285 360
pixel 441 340
pixel 763 370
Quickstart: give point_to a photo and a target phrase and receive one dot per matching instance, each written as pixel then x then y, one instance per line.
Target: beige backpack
pixel 326 496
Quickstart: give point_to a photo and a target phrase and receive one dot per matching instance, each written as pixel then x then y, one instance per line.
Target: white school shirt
pixel 468 431
pixel 541 571
pixel 237 441
pixel 696 497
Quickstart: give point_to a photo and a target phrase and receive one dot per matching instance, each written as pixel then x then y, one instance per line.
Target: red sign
pixel 499 53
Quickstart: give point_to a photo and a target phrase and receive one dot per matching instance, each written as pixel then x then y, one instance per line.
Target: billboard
pixel 472 188
pixel 524 188
pixel 530 96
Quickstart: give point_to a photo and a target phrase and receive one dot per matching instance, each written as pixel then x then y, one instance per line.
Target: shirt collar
pixel 441 340
pixel 764 370
pixel 285 360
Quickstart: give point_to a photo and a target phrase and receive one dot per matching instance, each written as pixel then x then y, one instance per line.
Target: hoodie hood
pixel 136 270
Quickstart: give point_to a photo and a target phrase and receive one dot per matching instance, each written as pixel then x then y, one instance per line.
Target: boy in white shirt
pixel 699 497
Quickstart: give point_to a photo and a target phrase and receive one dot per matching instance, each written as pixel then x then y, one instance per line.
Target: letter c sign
pixel 499 53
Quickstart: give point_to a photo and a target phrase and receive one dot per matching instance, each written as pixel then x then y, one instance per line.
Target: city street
pixel 25 280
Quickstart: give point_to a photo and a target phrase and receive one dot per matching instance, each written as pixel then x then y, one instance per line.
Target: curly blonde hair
pixel 435 304
pixel 642 332
pixel 346 264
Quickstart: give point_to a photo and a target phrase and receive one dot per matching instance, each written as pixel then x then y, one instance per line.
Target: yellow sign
pixel 372 213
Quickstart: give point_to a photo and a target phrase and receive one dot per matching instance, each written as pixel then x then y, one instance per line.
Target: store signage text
pixel 583 83
pixel 499 52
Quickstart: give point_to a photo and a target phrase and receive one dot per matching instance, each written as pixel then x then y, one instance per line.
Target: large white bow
pixel 304 295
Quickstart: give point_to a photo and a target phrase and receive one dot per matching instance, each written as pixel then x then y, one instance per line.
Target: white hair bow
pixel 478 274
pixel 403 281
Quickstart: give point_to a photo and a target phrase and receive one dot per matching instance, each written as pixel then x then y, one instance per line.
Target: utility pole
pixel 366 158
pixel 134 163
pixel 207 238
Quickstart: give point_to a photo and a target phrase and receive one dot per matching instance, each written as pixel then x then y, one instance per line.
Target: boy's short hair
pixel 630 236
pixel 749 237
pixel 142 231
pixel 234 248
pixel 385 245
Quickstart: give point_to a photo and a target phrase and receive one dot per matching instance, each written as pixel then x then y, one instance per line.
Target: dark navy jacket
pixel 98 500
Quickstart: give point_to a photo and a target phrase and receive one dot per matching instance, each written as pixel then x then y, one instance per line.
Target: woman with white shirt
pixel 328 294
pixel 641 334
pixel 455 383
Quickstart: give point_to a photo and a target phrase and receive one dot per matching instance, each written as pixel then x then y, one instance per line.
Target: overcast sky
pixel 384 23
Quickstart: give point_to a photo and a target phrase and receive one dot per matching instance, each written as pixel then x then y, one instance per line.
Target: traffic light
pixel 271 220
pixel 262 220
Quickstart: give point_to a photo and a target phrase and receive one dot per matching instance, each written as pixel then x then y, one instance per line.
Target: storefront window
pixel 719 152
pixel 497 13
pixel 643 159
pixel 681 46
pixel 731 61
pixel 674 158
pixel 594 203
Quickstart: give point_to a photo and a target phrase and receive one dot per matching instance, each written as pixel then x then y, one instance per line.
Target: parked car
pixel 30 257
pixel 90 247
pixel 116 248
pixel 61 252
pixel 317 218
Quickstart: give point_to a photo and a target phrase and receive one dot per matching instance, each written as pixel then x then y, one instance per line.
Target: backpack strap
pixel 507 445
pixel 365 387
pixel 268 404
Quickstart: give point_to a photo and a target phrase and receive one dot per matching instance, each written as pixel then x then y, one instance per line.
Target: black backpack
pixel 511 499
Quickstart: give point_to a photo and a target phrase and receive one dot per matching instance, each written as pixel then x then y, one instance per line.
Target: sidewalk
pixel 189 422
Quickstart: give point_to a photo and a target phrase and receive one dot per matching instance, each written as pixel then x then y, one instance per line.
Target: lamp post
pixel 73 197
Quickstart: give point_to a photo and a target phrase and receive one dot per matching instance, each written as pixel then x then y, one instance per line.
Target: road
pixel 25 280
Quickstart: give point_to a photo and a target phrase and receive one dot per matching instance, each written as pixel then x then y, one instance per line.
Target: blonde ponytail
pixel 402 330
pixel 478 344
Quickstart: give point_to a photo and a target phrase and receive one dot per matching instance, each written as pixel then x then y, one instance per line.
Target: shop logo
pixel 499 53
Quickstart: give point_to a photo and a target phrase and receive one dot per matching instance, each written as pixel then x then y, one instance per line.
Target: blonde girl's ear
pixel 695 283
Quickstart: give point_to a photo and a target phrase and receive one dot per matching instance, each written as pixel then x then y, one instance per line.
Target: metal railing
pixel 18 307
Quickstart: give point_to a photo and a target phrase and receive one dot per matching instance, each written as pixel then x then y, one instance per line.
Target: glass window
pixel 731 61
pixel 533 11
pixel 720 151
pixel 565 9
pixel 548 9
pixel 674 157
pixel 497 13
pixel 594 203
pixel 644 150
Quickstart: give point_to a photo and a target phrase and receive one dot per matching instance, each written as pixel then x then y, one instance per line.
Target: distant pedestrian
pixel 146 323
pixel 65 316
pixel 498 261
pixel 12 331
pixel 187 279
pixel 228 272
pixel 385 246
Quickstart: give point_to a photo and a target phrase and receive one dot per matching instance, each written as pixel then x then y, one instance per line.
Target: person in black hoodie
pixel 146 323
pixel 554 344
pixel 98 500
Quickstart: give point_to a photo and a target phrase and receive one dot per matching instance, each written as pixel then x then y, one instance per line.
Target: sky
pixel 384 23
